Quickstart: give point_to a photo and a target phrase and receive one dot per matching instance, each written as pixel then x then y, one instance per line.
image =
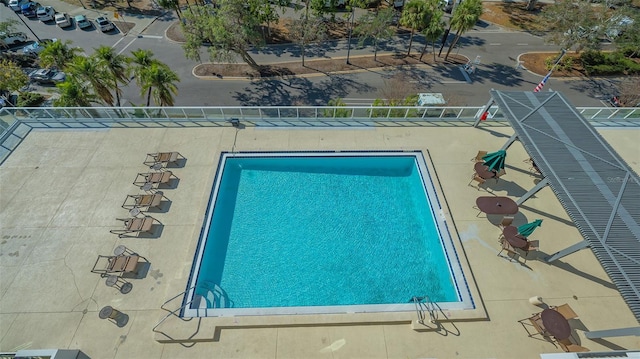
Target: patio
pixel 61 192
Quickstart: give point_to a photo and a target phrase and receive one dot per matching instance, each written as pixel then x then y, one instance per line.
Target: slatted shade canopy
pixel 597 188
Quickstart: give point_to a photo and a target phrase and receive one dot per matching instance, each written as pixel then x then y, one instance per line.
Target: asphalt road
pixel 496 49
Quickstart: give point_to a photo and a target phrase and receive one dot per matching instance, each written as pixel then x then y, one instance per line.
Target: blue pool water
pixel 322 231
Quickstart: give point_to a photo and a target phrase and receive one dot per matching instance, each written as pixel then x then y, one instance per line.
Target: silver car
pixel 82 21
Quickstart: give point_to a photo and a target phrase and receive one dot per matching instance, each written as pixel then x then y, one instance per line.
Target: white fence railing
pixel 16 123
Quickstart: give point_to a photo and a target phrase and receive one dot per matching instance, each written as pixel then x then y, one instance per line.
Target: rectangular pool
pixel 302 233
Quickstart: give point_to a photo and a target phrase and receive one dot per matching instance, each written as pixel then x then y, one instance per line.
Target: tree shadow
pixel 295 91
pixel 499 74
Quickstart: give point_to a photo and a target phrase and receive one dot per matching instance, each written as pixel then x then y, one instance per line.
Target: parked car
pixel 618 25
pixel 45 13
pixel 82 21
pixel 29 9
pixel 47 76
pixel 104 24
pixel 62 19
pixel 12 38
pixel 16 5
pixel 36 47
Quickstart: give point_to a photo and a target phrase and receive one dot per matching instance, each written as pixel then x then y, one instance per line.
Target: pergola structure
pixel 597 188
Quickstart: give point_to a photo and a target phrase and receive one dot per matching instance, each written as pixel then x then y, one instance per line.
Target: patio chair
pixel 163 157
pixel 143 200
pixel 506 246
pixel 534 321
pixel 532 166
pixel 566 311
pixel 154 178
pixel 475 177
pixel 568 346
pixel 532 246
pixel 119 265
pixel 478 157
pixel 506 222
pixel 135 225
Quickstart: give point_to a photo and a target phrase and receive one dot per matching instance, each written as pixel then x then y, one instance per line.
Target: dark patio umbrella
pixel 527 229
pixel 495 160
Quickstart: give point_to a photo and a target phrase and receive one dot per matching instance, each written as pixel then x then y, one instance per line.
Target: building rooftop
pixel 62 190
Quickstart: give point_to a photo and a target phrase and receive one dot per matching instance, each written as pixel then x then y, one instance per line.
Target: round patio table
pixel 496 205
pixel 510 233
pixel 483 171
pixel 556 324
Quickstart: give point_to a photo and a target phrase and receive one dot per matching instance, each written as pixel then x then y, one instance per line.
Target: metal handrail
pixel 173 312
pixel 422 304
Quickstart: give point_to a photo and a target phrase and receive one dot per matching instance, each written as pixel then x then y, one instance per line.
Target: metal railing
pixel 423 304
pixel 16 123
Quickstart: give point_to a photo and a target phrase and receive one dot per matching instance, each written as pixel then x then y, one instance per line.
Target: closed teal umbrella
pixel 495 160
pixel 527 229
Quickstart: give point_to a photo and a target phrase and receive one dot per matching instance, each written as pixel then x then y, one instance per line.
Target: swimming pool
pixel 300 233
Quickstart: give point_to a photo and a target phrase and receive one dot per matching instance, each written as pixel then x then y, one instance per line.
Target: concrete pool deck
pixel 61 192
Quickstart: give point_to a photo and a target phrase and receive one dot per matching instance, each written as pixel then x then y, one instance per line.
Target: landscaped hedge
pixel 608 63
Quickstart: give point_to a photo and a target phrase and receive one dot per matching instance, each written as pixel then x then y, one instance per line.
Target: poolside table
pixel 511 235
pixel 555 324
pixel 496 205
pixel 483 171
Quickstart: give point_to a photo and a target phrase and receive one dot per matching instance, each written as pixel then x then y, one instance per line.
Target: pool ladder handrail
pixel 425 303
pixel 173 312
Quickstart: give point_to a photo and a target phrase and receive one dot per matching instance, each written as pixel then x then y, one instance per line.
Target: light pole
pixel 353 15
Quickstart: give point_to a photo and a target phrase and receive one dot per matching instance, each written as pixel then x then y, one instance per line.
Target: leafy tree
pixel 11 76
pixel 88 69
pixel 435 29
pixel 415 15
pixel 307 29
pixel 74 93
pixel 230 30
pixel 574 23
pixel 464 17
pixel 375 26
pixel 29 99
pixel 159 81
pixel 264 13
pixel 8 25
pixel 171 5
pixel 58 54
pixel 115 67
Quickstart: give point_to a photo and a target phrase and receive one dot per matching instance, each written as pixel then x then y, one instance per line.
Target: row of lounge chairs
pixel 150 183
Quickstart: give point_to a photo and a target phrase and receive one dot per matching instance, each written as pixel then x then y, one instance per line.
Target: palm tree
pixel 115 66
pixel 58 54
pixel 140 61
pixel 158 80
pixel 436 27
pixel 88 69
pixel 74 94
pixel 415 15
pixel 464 17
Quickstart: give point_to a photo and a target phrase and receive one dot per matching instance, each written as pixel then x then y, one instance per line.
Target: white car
pixel 16 5
pixel 62 19
pixel 45 13
pixel 104 24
